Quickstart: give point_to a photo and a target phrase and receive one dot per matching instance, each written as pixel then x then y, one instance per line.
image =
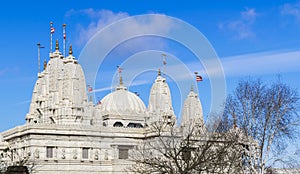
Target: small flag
pixel 65 36
pixel 198 78
pixel 90 89
pixel 52 30
pixel 119 69
pixel 165 62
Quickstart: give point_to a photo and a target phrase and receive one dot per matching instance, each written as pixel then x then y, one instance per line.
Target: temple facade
pixel 66 133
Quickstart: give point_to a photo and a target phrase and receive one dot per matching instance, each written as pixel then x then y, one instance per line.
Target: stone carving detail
pixel 63 154
pixel 105 155
pixel 36 154
pixel 74 154
pixel 96 155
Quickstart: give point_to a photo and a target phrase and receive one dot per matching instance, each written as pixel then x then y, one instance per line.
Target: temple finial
pixel 159 72
pixel 70 50
pixel 45 64
pixel 56 45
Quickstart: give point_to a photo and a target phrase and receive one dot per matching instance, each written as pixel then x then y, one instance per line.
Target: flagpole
pixel 196 74
pixel 64 35
pixel 119 75
pixel 164 63
pixel 39 57
pixel 51 32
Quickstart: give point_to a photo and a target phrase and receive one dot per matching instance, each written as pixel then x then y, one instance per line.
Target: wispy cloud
pixel 110 88
pixel 23 102
pixel 242 26
pixel 262 63
pixel 291 10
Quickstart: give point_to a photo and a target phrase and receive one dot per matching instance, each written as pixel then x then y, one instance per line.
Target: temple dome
pixel 122 102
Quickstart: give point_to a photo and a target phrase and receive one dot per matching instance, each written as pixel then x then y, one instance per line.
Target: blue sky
pixel 251 37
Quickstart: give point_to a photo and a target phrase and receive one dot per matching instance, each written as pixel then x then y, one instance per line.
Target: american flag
pixel 198 78
pixel 52 30
pixel 90 89
pixel 65 36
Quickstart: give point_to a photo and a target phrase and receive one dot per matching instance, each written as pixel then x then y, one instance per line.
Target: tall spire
pixel 56 45
pixel 192 110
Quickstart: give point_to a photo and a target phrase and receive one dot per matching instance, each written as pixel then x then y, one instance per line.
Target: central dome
pixel 122 102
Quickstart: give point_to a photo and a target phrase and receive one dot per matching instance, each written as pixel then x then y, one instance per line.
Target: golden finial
pixel 121 81
pixel 159 73
pixel 56 45
pixel 45 64
pixel 70 50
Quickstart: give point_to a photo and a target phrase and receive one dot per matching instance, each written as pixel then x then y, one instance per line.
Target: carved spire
pixel 70 50
pixel 56 45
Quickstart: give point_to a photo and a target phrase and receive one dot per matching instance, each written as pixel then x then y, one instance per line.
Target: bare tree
pixel 173 150
pixel 268 114
pixel 13 157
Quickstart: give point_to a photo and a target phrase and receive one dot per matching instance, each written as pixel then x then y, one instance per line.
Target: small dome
pixel 122 102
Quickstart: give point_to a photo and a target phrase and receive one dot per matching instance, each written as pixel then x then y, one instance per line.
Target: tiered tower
pixel 160 103
pixel 59 95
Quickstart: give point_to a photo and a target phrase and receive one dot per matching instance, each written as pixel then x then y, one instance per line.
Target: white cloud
pixel 292 10
pixel 100 19
pixel 241 27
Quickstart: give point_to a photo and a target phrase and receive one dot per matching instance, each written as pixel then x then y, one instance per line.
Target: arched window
pixel 135 125
pixel 118 124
